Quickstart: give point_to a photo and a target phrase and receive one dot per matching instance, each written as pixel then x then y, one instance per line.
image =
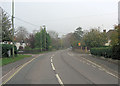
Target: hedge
pixel 102 51
pixel 6 48
pixel 107 52
pixel 116 52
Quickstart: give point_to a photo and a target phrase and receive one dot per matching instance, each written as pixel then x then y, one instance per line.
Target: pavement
pixel 64 67
pixel 9 67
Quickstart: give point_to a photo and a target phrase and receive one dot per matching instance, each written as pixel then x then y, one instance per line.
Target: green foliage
pixel 102 51
pixel 108 52
pixel 114 38
pixel 10 60
pixel 78 33
pixel 48 42
pixel 6 27
pixel 6 48
pixel 38 40
pixel 113 51
pixel 115 41
pixel 42 40
pixel 94 38
pixel 116 51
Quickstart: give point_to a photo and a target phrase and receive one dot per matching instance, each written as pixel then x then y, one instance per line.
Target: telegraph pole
pixel 13 26
pixel 41 37
pixel 44 36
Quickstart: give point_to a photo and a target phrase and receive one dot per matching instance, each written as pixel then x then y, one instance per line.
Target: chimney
pixel 104 31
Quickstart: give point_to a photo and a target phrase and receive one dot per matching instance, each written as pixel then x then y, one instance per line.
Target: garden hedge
pixel 102 51
pixel 6 48
pixel 107 52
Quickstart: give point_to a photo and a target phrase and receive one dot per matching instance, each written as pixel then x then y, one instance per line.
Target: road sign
pixel 79 44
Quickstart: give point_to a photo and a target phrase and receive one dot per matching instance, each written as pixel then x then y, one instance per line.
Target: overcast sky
pixel 64 16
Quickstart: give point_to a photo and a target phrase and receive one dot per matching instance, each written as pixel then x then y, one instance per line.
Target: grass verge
pixel 5 61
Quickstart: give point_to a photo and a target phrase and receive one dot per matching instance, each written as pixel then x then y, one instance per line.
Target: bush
pixel 116 52
pixel 20 48
pixel 102 51
pixel 6 48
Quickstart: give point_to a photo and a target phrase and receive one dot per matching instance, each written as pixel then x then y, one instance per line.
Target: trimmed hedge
pixel 107 52
pixel 102 51
pixel 6 48
pixel 116 52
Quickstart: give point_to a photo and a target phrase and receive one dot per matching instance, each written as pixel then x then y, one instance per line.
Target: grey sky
pixel 65 16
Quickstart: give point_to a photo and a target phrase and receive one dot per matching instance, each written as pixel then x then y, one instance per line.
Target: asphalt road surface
pixel 63 67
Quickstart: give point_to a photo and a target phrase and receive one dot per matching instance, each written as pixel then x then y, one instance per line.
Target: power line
pixel 22 20
pixel 26 22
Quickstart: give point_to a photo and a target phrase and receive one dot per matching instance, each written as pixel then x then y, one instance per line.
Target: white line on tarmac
pixel 93 66
pixel 88 64
pixel 111 74
pixel 52 66
pixel 7 74
pixel 51 61
pixel 17 71
pixel 59 80
pixel 100 67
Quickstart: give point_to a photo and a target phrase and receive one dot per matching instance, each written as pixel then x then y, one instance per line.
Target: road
pixel 63 67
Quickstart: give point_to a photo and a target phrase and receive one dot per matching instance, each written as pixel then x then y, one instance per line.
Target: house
pixel 109 34
pixel 17 44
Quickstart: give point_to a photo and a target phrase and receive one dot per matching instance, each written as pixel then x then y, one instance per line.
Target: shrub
pixel 102 51
pixel 20 48
pixel 6 48
pixel 116 52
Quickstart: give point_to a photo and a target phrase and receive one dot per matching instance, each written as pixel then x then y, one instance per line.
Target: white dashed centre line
pixel 51 61
pixel 59 80
pixel 53 66
pixel 57 76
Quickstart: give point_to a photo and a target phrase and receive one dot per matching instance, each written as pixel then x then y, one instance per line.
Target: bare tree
pixel 21 34
pixel 53 34
pixel 55 40
pixel 66 40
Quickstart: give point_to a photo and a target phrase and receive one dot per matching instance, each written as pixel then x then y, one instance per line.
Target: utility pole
pixel 13 26
pixel 41 37
pixel 44 36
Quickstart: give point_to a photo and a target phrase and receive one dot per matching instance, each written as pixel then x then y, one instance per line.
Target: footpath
pixel 7 68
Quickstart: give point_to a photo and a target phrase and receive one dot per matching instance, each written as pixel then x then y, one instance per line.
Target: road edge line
pixel 17 71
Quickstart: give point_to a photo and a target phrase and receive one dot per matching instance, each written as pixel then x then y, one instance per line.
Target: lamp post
pixel 13 26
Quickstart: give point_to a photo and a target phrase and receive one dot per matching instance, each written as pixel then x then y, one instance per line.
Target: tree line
pixel 40 39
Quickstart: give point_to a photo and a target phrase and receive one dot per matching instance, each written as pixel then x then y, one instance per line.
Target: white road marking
pixel 59 80
pixel 100 67
pixel 91 62
pixel 57 76
pixel 17 71
pixel 51 57
pixel 70 54
pixel 93 66
pixel 7 74
pixel 88 64
pixel 53 66
pixel 51 61
pixel 111 74
pixel 14 68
